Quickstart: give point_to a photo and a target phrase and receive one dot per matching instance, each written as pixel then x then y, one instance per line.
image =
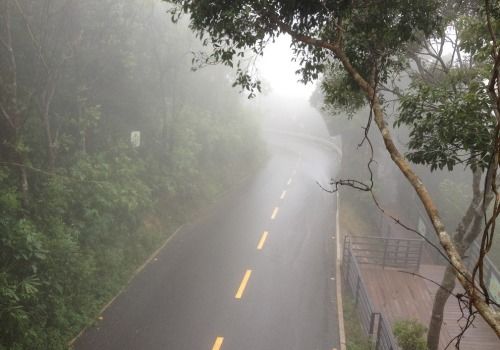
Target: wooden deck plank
pixel 402 296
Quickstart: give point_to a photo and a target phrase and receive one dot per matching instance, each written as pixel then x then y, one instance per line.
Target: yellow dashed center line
pixel 275 212
pixel 243 284
pixel 241 289
pixel 218 343
pixel 283 194
pixel 262 240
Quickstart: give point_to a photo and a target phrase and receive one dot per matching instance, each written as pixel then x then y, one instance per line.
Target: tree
pixel 448 110
pixel 80 207
pixel 450 123
pixel 363 38
pixel 447 113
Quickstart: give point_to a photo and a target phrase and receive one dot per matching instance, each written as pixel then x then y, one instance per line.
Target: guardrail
pixel 319 140
pixel 352 279
pixel 374 324
pixel 386 252
pixel 491 273
pixel 384 339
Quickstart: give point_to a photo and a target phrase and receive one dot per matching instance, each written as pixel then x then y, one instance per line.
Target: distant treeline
pixel 80 207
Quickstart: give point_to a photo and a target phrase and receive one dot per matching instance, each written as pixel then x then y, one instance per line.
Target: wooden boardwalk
pixel 402 296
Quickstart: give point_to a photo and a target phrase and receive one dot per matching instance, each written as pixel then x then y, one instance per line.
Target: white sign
pixel 135 138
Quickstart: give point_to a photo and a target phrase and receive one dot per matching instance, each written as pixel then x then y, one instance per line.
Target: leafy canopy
pixel 366 31
pixel 450 116
pixel 450 121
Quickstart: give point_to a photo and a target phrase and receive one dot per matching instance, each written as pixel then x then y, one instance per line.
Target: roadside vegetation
pixel 80 207
pixel 355 336
pixel 410 335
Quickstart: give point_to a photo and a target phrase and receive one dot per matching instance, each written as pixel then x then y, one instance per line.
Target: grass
pixel 357 214
pixel 354 221
pixel 355 337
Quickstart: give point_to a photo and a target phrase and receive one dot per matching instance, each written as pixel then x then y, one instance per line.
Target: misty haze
pixel 249 175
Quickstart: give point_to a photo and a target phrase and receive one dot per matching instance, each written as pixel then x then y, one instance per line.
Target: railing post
pixel 396 254
pixel 379 330
pixel 372 322
pixel 347 266
pixel 407 254
pixel 346 261
pixel 385 253
pixel 358 284
pixel 420 250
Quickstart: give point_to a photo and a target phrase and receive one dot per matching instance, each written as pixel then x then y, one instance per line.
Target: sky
pixel 284 103
pixel 277 71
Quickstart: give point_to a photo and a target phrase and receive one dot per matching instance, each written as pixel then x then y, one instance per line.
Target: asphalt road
pixel 255 272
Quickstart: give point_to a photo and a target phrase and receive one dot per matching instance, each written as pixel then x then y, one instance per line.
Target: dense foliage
pixel 410 335
pixel 368 31
pixel 80 207
pixel 450 121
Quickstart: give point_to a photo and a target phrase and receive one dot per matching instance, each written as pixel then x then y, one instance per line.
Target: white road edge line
pixel 340 309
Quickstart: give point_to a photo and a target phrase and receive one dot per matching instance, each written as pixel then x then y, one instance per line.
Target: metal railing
pixel 373 323
pixel 330 143
pixel 386 252
pixel 384 340
pixel 352 279
pixel 491 273
pixel 490 270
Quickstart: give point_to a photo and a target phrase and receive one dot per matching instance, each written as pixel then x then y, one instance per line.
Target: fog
pixel 278 71
pixel 147 203
pixel 285 103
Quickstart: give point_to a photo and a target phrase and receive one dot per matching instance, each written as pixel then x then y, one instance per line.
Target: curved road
pixel 256 272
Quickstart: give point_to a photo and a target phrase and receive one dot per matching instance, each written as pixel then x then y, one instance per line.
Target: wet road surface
pixel 255 272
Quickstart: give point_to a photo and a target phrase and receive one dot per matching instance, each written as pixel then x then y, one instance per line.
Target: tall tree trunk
pixel 45 105
pixel 24 184
pixel 467 232
pixel 443 293
pixel 11 111
pixel 446 241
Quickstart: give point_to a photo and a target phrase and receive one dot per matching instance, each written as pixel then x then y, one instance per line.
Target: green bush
pixel 410 335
